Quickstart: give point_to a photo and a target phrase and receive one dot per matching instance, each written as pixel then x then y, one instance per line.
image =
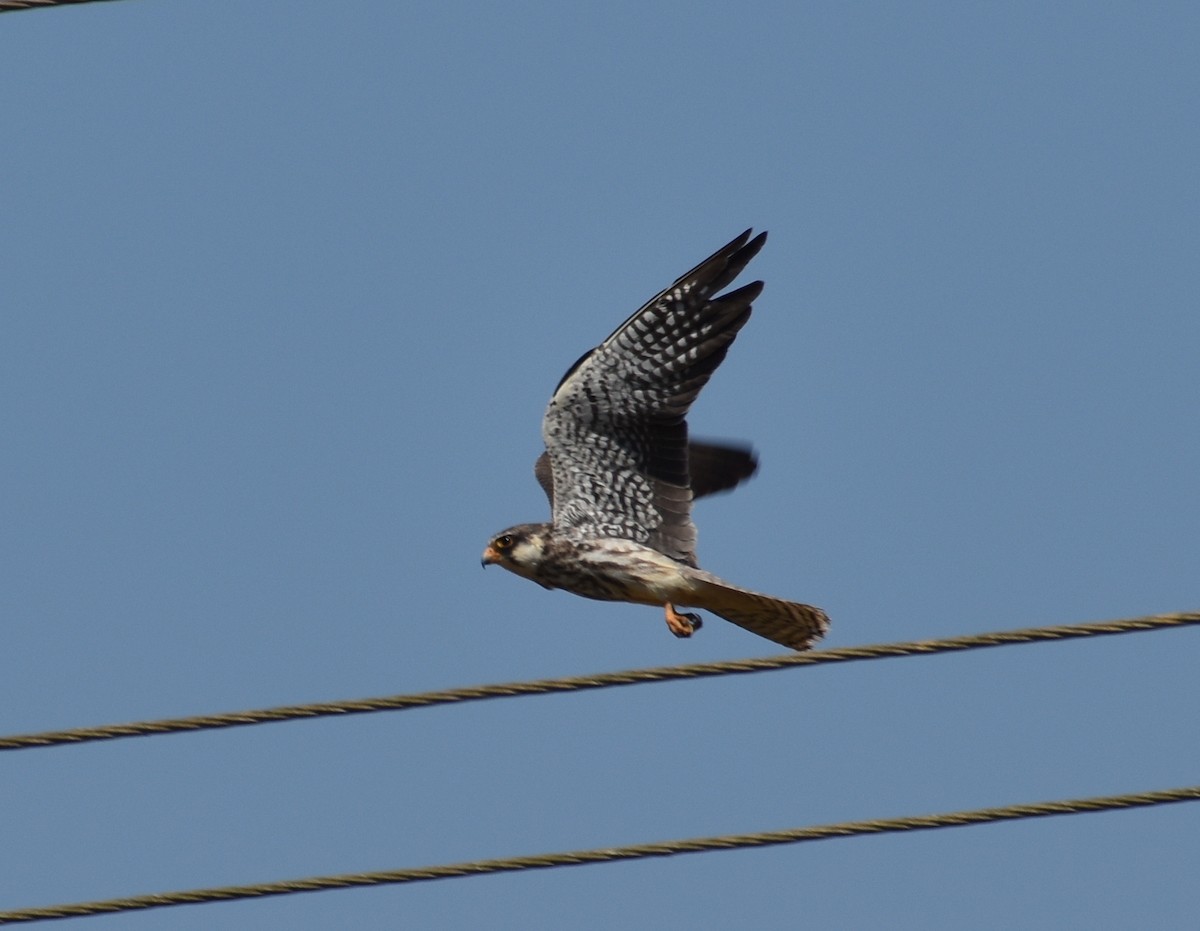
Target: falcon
pixel 621 474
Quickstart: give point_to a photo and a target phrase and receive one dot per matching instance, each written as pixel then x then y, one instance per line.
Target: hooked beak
pixel 489 556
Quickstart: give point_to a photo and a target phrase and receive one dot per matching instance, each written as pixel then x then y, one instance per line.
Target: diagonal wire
pixel 608 854
pixel 598 681
pixel 11 6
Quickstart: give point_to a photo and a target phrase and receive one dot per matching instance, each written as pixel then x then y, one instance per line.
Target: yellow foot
pixel 681 625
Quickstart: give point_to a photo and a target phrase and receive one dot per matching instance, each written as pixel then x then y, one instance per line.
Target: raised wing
pixel 615 429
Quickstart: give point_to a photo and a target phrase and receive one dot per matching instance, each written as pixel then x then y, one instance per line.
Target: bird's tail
pixel 789 623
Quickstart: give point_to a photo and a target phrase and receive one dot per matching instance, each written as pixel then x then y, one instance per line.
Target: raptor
pixel 621 474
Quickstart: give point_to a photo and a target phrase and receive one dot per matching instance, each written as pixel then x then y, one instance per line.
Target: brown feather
pixel 788 623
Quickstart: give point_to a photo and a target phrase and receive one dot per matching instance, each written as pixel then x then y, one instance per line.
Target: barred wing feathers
pixel 615 429
pixel 712 468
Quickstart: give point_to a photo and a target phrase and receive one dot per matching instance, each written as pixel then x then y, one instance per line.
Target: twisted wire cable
pixel 597 681
pixel 607 854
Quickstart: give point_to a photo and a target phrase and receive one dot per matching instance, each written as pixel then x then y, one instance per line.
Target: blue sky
pixel 286 287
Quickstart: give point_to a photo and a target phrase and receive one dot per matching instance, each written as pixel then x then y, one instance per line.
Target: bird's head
pixel 518 549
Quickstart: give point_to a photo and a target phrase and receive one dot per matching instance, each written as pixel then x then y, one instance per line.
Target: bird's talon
pixel 682 625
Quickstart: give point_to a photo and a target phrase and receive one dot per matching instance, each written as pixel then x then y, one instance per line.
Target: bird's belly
pixel 619 570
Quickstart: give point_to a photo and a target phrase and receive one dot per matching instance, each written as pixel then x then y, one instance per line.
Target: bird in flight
pixel 621 474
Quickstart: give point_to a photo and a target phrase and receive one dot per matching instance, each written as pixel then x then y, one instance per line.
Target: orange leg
pixel 681 625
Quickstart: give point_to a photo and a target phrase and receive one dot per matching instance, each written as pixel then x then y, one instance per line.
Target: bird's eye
pixel 505 541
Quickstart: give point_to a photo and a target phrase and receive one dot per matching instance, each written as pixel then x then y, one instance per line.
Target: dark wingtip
pixel 747 233
pixel 754 246
pixel 715 466
pixel 723 266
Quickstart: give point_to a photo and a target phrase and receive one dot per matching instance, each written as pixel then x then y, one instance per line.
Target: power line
pixel 11 6
pixel 598 681
pixel 607 854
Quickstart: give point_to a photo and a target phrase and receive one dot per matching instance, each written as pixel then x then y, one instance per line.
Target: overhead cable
pixel 11 6
pixel 597 681
pixel 606 854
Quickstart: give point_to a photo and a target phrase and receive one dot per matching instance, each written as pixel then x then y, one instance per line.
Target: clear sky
pixel 285 288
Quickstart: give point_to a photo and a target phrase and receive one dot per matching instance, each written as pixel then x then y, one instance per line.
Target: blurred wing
pixel 712 467
pixel 615 429
pixel 545 476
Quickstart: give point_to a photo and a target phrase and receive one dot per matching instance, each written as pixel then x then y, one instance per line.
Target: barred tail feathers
pixel 788 623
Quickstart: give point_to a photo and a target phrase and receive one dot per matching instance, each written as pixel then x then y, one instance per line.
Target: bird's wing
pixel 715 467
pixel 615 429
pixel 712 467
